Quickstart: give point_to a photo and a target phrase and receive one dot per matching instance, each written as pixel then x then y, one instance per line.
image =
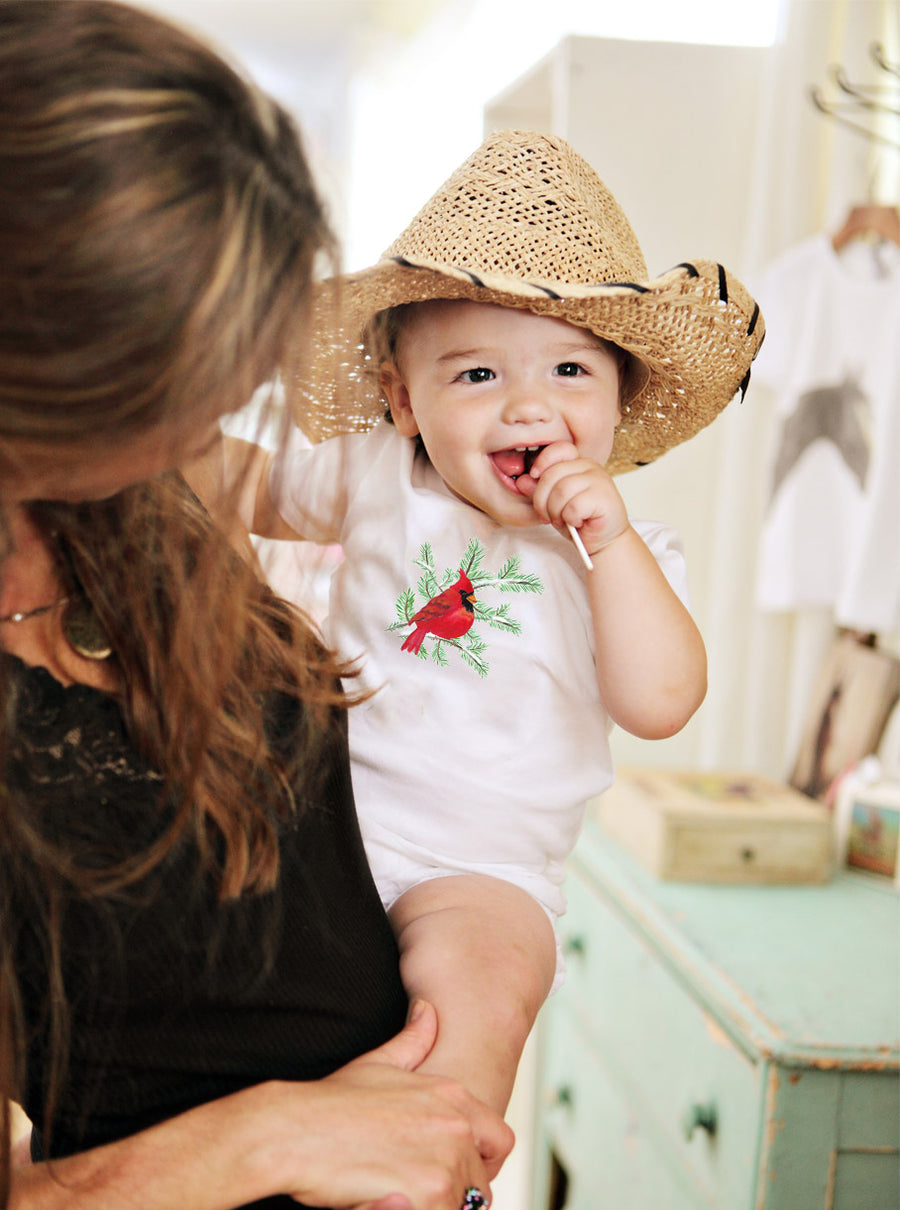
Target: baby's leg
pixel 483 952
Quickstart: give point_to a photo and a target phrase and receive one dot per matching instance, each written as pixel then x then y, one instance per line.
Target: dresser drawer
pixel 596 1136
pixel 694 1091
pixel 837 1142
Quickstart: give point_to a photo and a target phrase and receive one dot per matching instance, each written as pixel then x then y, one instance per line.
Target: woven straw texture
pixel 526 222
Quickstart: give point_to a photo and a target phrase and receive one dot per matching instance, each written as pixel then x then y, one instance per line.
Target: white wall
pixel 671 129
pixel 418 106
pixel 718 151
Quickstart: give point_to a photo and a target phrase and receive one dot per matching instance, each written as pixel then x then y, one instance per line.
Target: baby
pixel 524 358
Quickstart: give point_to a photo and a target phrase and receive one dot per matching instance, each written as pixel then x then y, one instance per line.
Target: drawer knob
pixel 574 945
pixel 562 1095
pixel 699 1116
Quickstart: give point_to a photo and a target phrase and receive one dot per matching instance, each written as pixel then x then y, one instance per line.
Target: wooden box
pixel 717 827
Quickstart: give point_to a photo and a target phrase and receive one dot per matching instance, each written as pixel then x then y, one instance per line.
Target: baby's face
pixel 487 387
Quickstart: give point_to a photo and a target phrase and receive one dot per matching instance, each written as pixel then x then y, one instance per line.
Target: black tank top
pixel 176 998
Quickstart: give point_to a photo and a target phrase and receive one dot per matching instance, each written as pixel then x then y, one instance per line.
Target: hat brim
pixel 695 329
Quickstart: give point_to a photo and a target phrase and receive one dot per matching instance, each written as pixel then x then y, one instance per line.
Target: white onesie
pixel 478 754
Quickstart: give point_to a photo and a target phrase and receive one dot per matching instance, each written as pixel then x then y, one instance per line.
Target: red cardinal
pixel 448 615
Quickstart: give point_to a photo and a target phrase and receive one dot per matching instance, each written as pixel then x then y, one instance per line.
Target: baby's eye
pixel 569 369
pixel 479 374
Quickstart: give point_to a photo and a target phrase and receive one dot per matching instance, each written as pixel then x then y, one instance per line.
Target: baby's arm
pixel 482 951
pixel 232 480
pixel 650 658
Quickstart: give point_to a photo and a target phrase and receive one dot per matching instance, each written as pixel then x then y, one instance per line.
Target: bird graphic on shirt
pixel 839 413
pixel 449 615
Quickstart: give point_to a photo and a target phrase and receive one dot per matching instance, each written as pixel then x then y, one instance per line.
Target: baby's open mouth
pixel 515 462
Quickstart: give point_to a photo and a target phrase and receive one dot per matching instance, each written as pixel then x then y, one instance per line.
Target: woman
pixel 192 952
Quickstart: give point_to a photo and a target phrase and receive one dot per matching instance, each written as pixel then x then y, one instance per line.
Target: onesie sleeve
pixel 667 548
pixel 309 485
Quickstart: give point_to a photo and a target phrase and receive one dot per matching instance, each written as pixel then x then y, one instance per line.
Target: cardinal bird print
pixel 448 615
pixel 454 601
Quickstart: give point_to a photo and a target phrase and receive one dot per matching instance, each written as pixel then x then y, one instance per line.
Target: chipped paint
pixel 766 1174
pixel 774 1127
pixel 716 1033
pixel 829 1180
pixel 886 1061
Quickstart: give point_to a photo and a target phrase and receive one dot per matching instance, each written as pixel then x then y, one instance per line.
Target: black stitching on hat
pixel 745 382
pixel 723 285
pixel 693 271
pixel 472 278
pixel 401 260
pixel 545 290
pixel 642 464
pixel 625 285
pixel 753 319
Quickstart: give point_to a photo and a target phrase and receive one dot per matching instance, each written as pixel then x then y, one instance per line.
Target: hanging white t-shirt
pixel 831 535
pixel 478 754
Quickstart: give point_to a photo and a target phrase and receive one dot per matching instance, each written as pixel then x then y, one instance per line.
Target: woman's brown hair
pixel 158 228
pixel 159 232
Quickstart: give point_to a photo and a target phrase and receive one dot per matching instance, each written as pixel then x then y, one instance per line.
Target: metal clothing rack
pixel 871 110
pixel 862 107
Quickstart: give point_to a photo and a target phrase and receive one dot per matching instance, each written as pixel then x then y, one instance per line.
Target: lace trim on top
pixel 69 747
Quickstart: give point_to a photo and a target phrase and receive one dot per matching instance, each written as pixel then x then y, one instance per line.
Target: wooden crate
pixel 692 826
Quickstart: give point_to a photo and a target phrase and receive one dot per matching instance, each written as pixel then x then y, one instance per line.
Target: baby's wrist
pixel 608 540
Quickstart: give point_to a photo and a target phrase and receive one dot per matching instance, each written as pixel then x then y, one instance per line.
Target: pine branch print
pixel 510 578
pixel 439 619
pixel 471 654
pixel 498 617
pixel 472 559
pixel 428 585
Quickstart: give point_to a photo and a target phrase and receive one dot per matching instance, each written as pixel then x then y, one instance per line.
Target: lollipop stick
pixel 579 546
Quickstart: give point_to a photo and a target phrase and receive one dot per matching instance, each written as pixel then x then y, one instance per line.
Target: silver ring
pixel 474 1199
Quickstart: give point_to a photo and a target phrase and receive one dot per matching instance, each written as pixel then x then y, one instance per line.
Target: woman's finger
pixel 393 1201
pixel 412 1045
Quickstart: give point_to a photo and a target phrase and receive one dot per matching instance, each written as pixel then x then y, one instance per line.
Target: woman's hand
pixel 379 1136
pixel 375 1135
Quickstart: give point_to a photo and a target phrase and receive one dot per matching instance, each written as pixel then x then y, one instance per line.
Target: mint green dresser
pixel 735 1048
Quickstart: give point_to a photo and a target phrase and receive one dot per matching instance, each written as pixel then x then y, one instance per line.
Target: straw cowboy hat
pixel 526 222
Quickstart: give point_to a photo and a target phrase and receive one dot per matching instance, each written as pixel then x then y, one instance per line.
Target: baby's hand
pixel 571 490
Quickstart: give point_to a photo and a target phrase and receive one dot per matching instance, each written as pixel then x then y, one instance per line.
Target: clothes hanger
pixel 864 113
pixel 868 222
pixel 838 112
pixel 876 50
pixel 866 102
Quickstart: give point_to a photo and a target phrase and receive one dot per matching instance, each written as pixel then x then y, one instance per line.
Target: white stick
pixel 579 546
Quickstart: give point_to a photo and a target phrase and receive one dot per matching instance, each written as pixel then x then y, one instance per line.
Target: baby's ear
pixel 399 402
